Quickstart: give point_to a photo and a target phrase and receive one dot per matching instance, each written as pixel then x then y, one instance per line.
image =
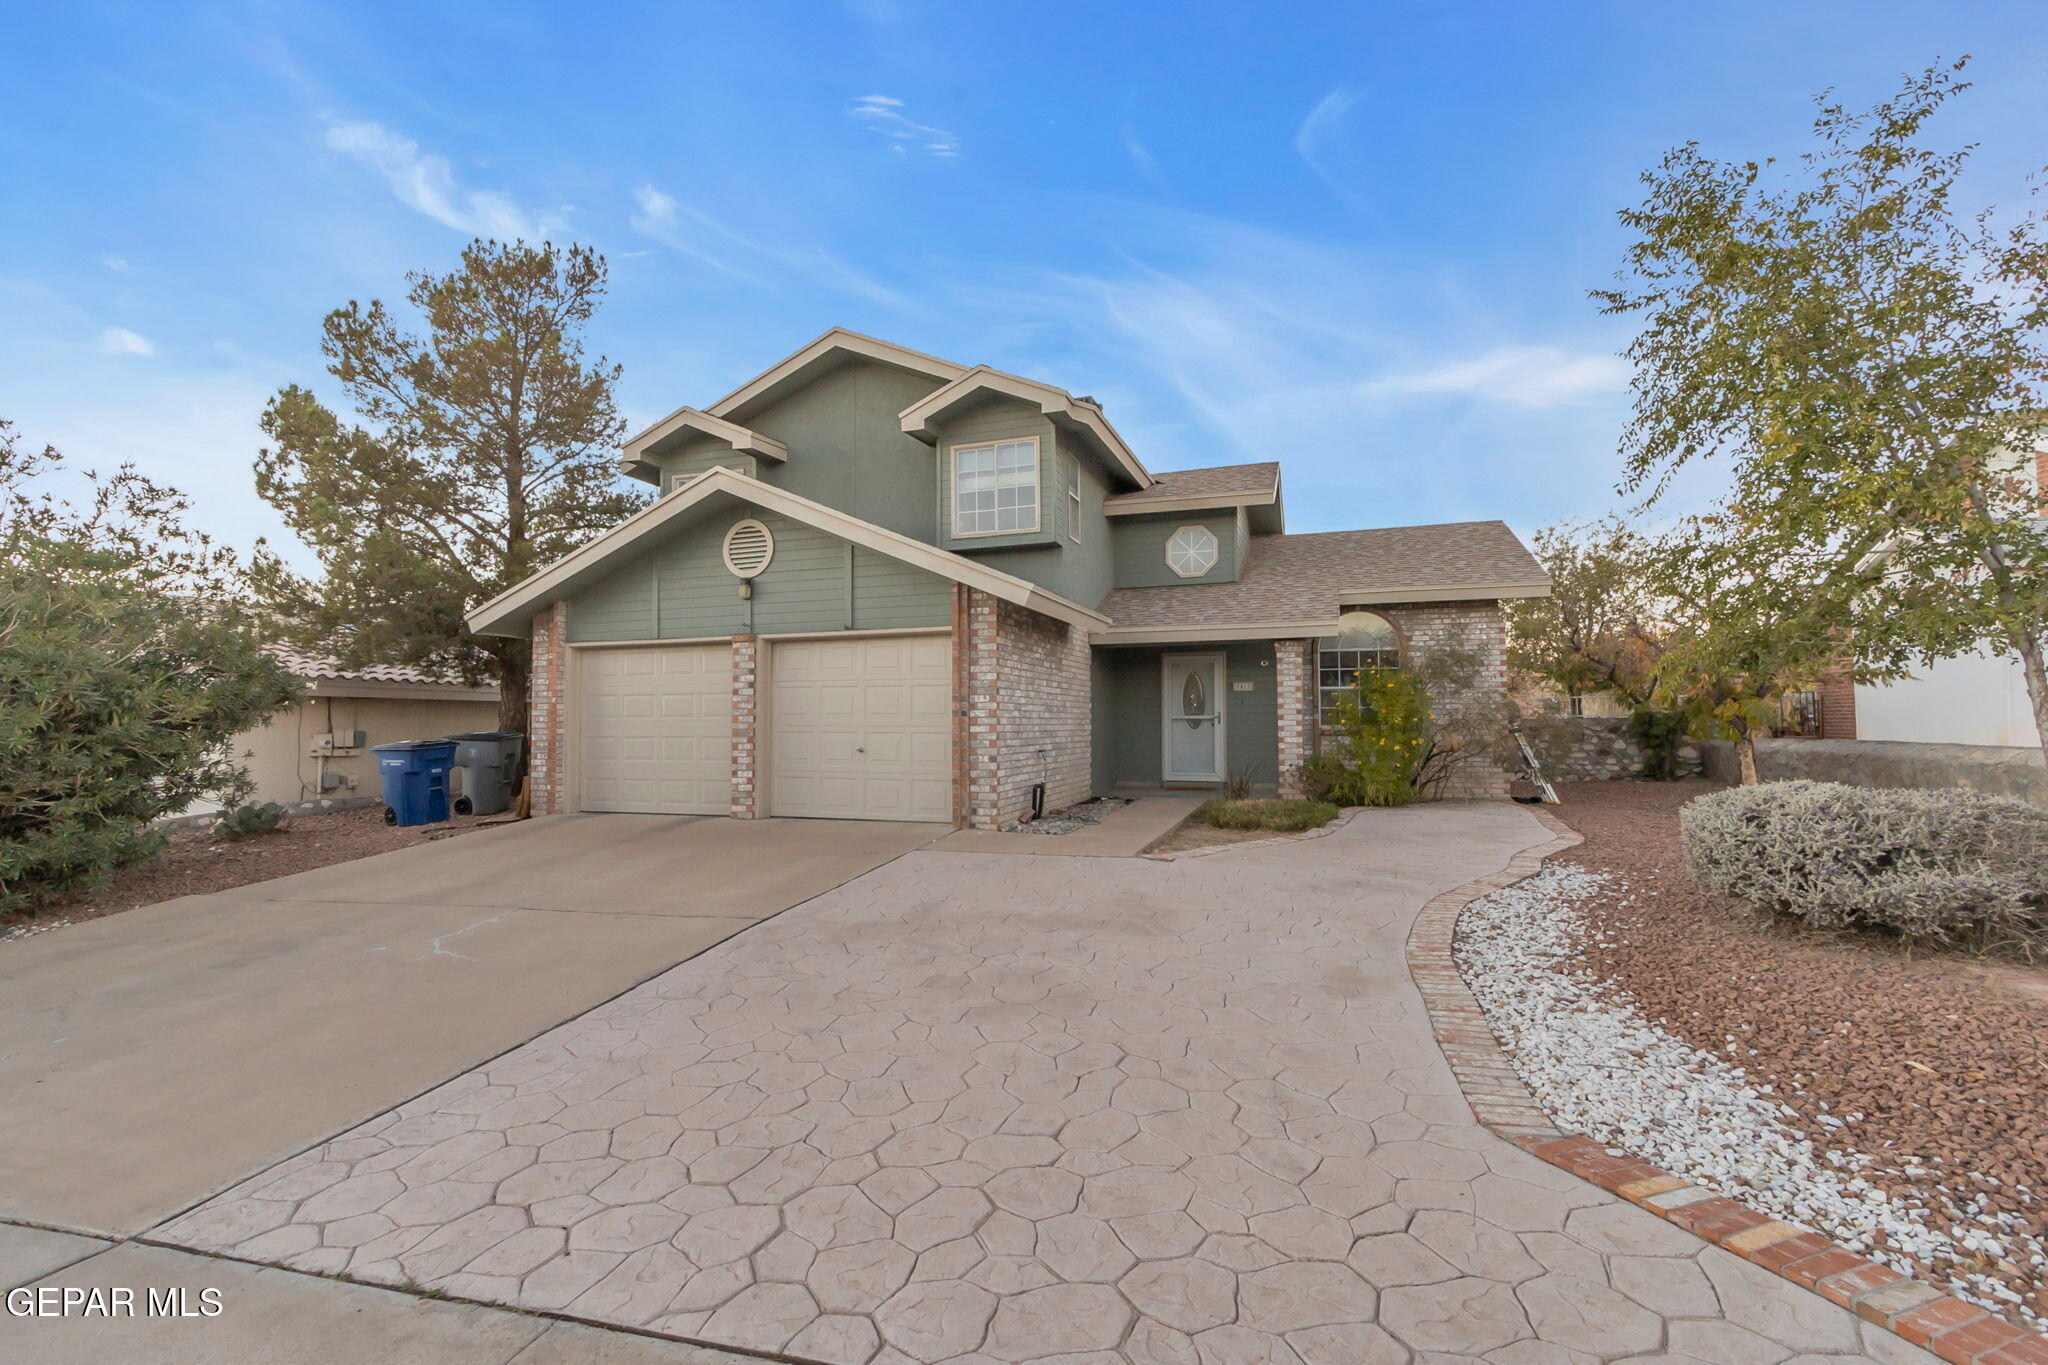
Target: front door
pixel 1192 702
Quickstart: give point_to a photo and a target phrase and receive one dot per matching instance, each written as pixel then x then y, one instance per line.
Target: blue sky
pixel 1355 237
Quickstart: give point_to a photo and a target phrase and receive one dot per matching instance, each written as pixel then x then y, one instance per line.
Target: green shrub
pixel 1659 734
pixel 1382 729
pixel 128 659
pixel 1279 816
pixel 246 822
pixel 1949 867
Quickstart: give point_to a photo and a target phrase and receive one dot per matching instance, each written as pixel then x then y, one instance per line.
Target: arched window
pixel 1364 639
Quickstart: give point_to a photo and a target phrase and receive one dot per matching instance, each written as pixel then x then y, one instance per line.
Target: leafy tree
pixel 1751 617
pixel 1599 630
pixel 1871 364
pixel 129 656
pixel 476 456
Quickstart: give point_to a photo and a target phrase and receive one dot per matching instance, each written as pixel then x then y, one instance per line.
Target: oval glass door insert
pixel 1191 699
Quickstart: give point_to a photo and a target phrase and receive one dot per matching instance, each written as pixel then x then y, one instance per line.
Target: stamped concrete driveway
pixel 981 1108
pixel 150 1059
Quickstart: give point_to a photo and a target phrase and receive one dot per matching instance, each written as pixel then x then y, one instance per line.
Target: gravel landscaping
pixel 1895 1103
pixel 197 861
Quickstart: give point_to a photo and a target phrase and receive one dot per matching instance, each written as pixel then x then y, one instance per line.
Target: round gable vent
pixel 748 548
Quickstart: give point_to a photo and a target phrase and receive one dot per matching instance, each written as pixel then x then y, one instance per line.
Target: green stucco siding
pixel 1140 548
pixel 1129 732
pixel 698 454
pixel 682 590
pixel 847 449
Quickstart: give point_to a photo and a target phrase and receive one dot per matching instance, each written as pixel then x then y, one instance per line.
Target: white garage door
pixel 656 733
pixel 862 729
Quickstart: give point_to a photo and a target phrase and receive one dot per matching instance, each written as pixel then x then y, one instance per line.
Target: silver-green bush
pixel 1950 867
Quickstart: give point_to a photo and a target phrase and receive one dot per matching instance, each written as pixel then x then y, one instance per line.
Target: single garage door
pixel 656 732
pixel 862 729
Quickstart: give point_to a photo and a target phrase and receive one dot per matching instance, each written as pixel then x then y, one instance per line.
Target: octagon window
pixel 1191 551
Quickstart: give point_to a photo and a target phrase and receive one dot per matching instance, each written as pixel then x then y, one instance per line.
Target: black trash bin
pixel 489 760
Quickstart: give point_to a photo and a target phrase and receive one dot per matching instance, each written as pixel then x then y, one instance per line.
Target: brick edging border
pixel 1914 1309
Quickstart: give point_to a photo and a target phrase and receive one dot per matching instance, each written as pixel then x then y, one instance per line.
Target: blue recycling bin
pixel 415 777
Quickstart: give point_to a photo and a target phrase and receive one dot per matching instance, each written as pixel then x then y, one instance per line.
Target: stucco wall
pixel 277 753
pixel 1993 769
pixel 1976 698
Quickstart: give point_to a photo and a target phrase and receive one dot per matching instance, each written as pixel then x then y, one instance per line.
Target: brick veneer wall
pixel 1294 675
pixel 1022 712
pixel 1045 717
pixel 1479 626
pixel 1836 696
pixel 746 656
pixel 547 698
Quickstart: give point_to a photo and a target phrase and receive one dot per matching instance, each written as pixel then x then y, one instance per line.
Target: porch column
pixel 745 671
pixel 546 703
pixel 1292 674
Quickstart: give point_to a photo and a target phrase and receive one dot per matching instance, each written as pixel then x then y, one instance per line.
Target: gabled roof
pixel 1187 490
pixel 683 421
pixel 828 352
pixel 1079 415
pixel 1302 583
pixel 510 611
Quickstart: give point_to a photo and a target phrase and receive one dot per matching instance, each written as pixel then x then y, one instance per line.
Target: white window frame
pixel 1037 489
pixel 1215 551
pixel 1074 498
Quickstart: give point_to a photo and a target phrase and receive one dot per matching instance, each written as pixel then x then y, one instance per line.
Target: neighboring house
pixel 1979 697
pixel 881 585
pixel 317 750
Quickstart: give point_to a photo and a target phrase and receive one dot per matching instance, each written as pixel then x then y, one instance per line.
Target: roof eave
pixel 1448 592
pixel 1063 408
pixel 508 613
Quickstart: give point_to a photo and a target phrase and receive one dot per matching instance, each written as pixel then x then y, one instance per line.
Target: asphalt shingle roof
pixel 1218 479
pixel 1306 577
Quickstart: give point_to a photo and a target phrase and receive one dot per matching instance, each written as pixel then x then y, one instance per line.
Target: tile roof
pixel 320 666
pixel 1304 577
pixel 1183 483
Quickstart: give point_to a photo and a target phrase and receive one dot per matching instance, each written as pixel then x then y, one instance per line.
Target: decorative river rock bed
pixel 1599 1067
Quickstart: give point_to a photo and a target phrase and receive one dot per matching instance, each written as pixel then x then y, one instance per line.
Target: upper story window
pixel 1364 639
pixel 1074 497
pixel 995 487
pixel 1191 551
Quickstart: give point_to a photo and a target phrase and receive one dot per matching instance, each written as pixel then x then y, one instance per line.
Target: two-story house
pixel 881 585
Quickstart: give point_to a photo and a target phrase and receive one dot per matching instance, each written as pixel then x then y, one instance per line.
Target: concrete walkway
pixel 150 1059
pixel 1123 833
pixel 981 1108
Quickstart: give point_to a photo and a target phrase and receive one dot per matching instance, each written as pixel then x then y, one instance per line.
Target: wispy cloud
pixel 659 216
pixel 1389 395
pixel 425 182
pixel 112 262
pixel 1141 157
pixel 1316 140
pixel 121 341
pixel 1530 376
pixel 884 114
pixel 717 244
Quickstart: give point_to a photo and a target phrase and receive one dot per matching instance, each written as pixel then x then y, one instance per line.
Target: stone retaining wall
pixel 1995 770
pixel 1593 748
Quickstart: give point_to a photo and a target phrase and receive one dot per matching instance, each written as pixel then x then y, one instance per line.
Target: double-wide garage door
pixel 656 732
pixel 861 729
pixel 857 729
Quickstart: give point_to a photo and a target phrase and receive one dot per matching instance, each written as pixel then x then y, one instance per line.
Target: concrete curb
pixel 1923 1314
